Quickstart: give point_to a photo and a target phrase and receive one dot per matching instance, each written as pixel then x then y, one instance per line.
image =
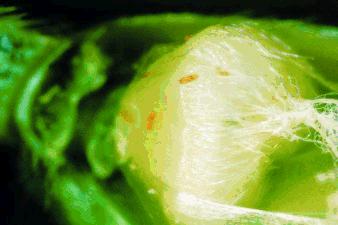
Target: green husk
pixel 41 116
pixel 20 58
pixel 100 144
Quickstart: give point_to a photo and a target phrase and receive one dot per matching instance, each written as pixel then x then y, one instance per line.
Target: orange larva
pixel 150 120
pixel 187 79
pixel 222 72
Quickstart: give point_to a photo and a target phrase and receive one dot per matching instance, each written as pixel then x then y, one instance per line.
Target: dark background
pixel 78 14
pixel 16 205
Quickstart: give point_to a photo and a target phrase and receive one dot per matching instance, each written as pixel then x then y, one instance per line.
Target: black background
pixel 16 205
pixel 78 14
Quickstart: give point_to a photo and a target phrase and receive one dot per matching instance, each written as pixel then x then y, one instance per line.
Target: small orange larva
pixel 187 79
pixel 150 120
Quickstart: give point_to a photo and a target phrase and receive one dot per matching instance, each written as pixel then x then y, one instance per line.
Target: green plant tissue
pixel 85 110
